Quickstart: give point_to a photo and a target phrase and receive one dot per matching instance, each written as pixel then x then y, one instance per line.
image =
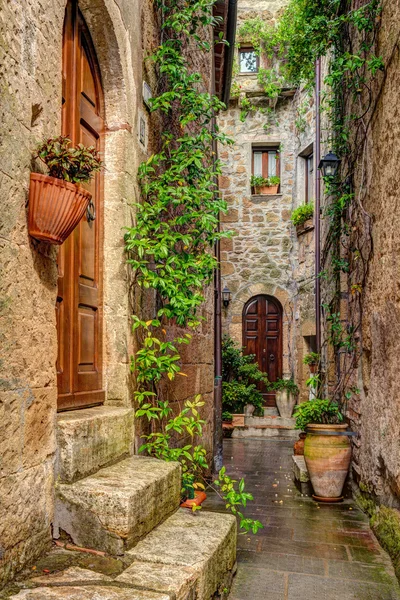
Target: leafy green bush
pixel 76 165
pixel 312 358
pixel 301 214
pixel 317 411
pixel 240 374
pixel 284 384
pixel 257 181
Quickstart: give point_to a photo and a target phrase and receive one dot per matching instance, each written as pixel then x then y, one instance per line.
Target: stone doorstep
pixel 189 556
pixel 270 421
pixel 203 542
pixel 265 431
pixel 92 438
pixel 114 508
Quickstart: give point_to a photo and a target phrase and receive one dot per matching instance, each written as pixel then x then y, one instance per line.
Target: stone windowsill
pixel 264 197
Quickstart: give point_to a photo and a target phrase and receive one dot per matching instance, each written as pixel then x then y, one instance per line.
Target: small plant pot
pixel 238 420
pixel 313 369
pixel 266 190
pixel 55 208
pixel 327 458
pixel 198 499
pixel 298 447
pixel 285 401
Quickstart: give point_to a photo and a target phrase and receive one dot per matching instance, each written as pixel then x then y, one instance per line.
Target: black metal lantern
pixel 329 165
pixel 226 297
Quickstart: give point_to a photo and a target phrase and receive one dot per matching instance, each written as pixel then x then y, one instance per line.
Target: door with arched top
pixel 79 301
pixel 262 336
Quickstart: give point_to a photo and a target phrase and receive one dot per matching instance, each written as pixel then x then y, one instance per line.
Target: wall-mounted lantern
pixel 329 165
pixel 226 297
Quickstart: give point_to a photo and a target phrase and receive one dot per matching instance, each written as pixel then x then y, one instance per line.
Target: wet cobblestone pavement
pixel 305 550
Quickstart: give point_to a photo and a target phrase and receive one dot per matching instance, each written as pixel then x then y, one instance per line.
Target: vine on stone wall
pixel 170 246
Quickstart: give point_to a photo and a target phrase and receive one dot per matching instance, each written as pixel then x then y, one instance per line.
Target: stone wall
pixel 376 411
pixel 265 254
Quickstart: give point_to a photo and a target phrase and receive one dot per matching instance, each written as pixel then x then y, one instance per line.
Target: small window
pixel 309 178
pixel 248 60
pixel 266 162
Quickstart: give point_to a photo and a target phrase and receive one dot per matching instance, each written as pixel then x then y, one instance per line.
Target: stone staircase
pixel 128 507
pixel 270 425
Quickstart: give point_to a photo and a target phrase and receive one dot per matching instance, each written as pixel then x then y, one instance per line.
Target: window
pixel 266 162
pixel 309 178
pixel 248 60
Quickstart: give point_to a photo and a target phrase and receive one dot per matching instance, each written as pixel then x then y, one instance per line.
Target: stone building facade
pixel 266 256
pixel 37 445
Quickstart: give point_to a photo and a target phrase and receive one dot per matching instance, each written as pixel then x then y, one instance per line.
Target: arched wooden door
pixel 79 302
pixel 262 336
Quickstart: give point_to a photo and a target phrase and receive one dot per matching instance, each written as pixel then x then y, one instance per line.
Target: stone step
pixel 265 431
pixel 204 543
pixel 270 411
pixel 91 438
pixel 270 421
pixel 114 508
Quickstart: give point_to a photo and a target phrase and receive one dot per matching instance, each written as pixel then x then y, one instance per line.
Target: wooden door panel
pixel 79 309
pixel 262 336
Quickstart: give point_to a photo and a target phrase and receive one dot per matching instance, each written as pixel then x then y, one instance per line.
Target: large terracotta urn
pixel 285 401
pixel 327 458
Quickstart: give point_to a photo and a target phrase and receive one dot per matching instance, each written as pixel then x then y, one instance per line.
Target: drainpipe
pixel 225 95
pixel 317 203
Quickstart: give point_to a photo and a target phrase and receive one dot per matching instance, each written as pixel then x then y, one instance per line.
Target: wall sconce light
pixel 226 297
pixel 329 165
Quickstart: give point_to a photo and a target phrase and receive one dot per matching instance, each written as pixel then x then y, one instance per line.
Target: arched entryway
pixel 262 336
pixel 79 301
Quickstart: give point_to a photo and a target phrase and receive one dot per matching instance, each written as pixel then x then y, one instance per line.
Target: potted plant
pixel 302 216
pixel 312 360
pixel 57 201
pixel 227 427
pixel 193 493
pixel 327 449
pixel 262 185
pixel 286 396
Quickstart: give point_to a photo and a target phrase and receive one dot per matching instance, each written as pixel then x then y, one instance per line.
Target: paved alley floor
pixel 305 550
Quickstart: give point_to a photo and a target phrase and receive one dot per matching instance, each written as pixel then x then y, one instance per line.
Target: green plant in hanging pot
pixel 312 360
pixel 327 449
pixel 286 392
pixel 57 201
pixel 301 215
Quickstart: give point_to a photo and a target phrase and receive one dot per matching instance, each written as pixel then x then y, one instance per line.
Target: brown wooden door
pixel 79 302
pixel 262 336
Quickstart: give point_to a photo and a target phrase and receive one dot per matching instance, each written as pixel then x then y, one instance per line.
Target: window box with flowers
pixel 265 177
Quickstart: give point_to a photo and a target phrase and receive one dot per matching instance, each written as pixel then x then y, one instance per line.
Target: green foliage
pixel 285 384
pixel 76 165
pixel 235 495
pixel 170 245
pixel 240 374
pixel 311 358
pixel 257 181
pixel 317 411
pixel 302 213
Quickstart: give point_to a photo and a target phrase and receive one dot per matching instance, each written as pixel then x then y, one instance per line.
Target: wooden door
pixel 79 302
pixel 262 336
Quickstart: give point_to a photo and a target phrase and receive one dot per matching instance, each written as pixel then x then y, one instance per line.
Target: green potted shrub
pixel 312 360
pixel 286 396
pixel 262 185
pixel 301 215
pixel 58 201
pixel 327 449
pixel 240 377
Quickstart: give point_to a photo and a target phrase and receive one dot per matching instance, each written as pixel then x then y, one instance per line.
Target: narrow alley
pixel 305 550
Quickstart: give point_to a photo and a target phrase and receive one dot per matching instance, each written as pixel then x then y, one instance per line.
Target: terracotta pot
pixel 267 189
pixel 55 208
pixel 327 458
pixel 198 499
pixel 238 420
pixel 298 447
pixel 313 368
pixel 285 401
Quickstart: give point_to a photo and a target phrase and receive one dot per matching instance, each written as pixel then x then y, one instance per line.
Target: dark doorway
pixel 262 336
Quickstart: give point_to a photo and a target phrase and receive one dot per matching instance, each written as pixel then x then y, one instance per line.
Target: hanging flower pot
pixel 57 201
pixel 55 208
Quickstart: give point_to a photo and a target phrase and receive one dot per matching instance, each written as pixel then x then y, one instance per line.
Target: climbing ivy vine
pixel 170 246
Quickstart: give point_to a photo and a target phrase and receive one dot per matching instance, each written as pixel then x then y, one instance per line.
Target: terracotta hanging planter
pixel 327 458
pixel 55 208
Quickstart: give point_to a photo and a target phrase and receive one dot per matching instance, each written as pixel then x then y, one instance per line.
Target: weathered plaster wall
pixel 31 77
